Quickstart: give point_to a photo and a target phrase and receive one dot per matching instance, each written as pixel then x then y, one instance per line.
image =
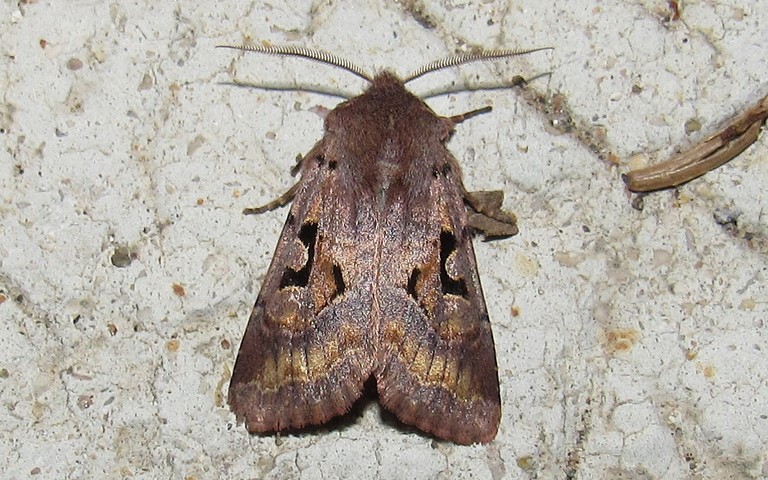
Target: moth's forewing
pixel 307 349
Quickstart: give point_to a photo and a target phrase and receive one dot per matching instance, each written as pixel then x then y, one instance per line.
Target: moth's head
pixel 387 80
pixel 386 97
pixel 387 83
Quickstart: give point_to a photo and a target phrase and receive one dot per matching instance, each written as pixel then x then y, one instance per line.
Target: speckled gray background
pixel 630 343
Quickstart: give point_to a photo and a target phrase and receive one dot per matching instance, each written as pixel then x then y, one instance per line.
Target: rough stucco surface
pixel 631 344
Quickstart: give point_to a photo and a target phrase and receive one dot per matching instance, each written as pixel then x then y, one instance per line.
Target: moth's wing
pixel 307 349
pixel 436 361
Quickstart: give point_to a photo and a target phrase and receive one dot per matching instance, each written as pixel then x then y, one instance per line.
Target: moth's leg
pixel 280 201
pixel 486 215
pixel 467 115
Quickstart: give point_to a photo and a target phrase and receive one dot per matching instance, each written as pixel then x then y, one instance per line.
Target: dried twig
pixel 718 149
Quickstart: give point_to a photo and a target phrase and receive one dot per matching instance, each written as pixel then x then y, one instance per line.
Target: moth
pixel 374 274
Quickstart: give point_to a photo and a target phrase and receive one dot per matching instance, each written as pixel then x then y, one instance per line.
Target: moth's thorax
pixel 387 136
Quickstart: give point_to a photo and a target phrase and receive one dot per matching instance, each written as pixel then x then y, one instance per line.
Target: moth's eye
pixel 332 165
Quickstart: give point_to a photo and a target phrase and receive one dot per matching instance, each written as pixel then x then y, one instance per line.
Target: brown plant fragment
pixel 488 217
pixel 720 148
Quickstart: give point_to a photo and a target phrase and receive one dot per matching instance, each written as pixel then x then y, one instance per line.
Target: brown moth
pixel 374 274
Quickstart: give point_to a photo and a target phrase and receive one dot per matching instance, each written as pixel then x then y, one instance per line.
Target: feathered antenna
pixel 331 59
pixel 463 58
pixel 294 51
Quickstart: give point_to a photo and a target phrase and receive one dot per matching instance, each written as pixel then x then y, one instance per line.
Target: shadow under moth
pixel 374 274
